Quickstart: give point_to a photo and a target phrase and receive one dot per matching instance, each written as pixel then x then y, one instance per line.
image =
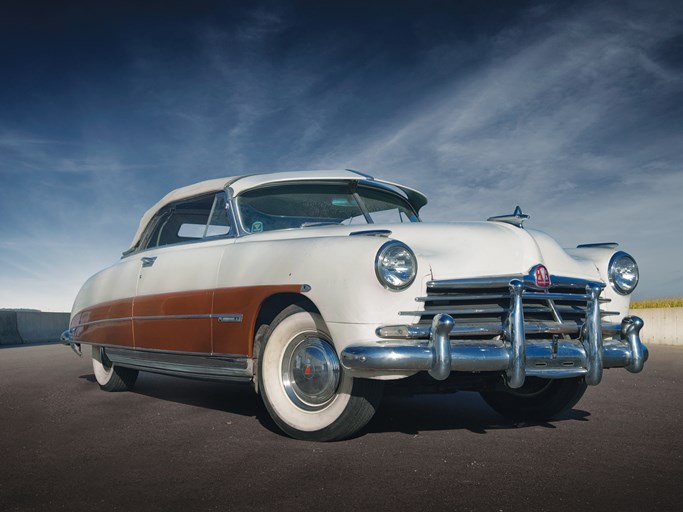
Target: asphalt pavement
pixel 177 444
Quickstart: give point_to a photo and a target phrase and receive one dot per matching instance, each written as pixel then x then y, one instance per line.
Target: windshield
pixel 301 205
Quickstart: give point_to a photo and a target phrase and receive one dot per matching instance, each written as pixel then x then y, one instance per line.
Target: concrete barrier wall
pixel 17 327
pixel 38 327
pixel 9 331
pixel 663 326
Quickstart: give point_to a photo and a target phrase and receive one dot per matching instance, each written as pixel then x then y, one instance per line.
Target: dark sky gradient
pixel 574 110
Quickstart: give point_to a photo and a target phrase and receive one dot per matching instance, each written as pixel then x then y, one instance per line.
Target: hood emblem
pixel 542 277
pixel 516 219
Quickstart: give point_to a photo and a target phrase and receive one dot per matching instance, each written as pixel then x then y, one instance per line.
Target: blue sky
pixel 573 110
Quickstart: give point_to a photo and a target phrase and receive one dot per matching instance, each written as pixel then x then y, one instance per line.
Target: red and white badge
pixel 542 277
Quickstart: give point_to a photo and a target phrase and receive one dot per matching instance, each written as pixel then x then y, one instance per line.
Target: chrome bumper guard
pixel 67 338
pixel 518 357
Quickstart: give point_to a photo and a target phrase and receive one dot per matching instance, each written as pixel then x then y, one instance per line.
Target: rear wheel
pixel 303 385
pixel 110 377
pixel 538 399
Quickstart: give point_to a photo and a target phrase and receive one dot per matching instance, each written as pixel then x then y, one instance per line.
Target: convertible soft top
pixel 239 184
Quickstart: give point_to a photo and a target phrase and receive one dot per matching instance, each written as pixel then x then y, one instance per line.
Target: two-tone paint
pixel 204 298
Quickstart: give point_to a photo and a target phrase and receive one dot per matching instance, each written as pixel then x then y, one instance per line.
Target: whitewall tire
pixel 304 386
pixel 109 376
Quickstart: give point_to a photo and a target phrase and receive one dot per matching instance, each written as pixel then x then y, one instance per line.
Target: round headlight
pixel 395 265
pixel 623 273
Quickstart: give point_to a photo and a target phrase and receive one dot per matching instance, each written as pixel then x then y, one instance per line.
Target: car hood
pixel 475 249
pixel 461 249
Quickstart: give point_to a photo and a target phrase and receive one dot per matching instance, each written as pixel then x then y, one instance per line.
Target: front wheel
pixel 538 399
pixel 110 377
pixel 303 385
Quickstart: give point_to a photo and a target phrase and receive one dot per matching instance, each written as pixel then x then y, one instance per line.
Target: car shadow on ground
pixel 233 398
pixel 406 414
pixel 456 411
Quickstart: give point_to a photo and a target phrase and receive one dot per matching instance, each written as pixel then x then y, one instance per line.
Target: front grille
pixel 482 306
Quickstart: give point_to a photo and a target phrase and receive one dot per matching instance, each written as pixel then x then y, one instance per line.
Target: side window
pixel 186 221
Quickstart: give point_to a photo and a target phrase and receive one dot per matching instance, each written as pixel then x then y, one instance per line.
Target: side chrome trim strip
pixel 222 317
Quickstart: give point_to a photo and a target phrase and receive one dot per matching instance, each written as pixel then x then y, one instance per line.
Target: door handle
pixel 148 261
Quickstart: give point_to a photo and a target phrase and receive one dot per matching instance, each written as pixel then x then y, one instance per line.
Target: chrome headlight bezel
pixel 401 279
pixel 615 272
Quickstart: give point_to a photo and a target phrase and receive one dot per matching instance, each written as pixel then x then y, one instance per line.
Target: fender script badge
pixel 542 277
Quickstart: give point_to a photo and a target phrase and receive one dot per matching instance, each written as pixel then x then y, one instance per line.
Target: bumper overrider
pixel 410 348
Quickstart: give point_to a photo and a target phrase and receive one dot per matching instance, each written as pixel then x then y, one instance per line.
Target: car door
pixel 172 307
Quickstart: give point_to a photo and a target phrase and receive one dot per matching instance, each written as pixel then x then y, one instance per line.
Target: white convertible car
pixel 320 287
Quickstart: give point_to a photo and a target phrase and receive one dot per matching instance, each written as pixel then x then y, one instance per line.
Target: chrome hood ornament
pixel 516 219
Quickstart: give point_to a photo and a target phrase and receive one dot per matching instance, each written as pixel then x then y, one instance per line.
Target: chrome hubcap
pixel 310 371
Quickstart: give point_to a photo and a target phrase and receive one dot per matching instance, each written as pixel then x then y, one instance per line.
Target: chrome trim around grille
pixel 503 281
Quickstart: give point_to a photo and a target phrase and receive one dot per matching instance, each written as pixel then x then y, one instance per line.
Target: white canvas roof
pixel 239 184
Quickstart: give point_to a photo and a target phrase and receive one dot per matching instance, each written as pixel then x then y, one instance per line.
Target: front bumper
pixel 514 355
